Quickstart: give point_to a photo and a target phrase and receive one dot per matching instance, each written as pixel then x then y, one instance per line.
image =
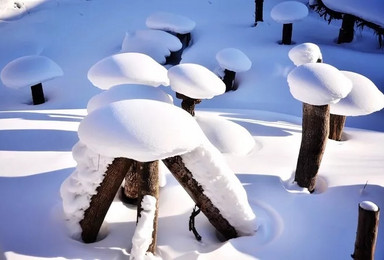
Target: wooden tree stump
pixel 102 200
pixel 185 178
pixel 367 229
pixel 287 33
pixel 37 94
pixel 130 191
pixel 188 104
pixel 229 80
pixel 346 32
pixel 336 126
pixel 259 11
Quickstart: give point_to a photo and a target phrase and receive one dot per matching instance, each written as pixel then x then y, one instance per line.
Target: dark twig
pixel 192 222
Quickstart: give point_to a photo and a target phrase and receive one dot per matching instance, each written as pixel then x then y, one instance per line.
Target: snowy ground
pixel 36 141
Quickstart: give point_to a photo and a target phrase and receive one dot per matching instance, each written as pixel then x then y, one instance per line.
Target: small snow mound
pixel 289 12
pixel 305 53
pixel 233 59
pixel 170 22
pixel 369 206
pixel 30 70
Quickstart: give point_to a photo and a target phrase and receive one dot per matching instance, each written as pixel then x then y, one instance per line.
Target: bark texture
pixel 194 189
pixel 346 32
pixel 131 185
pixel 149 185
pixel 229 80
pixel 188 104
pixel 366 235
pixel 315 132
pixel 37 94
pixel 101 201
pixel 336 126
pixel 287 34
pixel 259 11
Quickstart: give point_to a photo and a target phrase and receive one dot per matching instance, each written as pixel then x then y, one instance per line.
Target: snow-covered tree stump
pixel 367 229
pixel 101 201
pixel 185 178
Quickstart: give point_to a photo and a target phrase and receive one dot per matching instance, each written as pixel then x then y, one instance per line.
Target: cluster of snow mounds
pixel 142 238
pixel 221 185
pixel 77 190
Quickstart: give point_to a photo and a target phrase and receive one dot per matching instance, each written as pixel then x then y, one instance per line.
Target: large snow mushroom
pixel 317 85
pixel 232 60
pixel 305 53
pixel 121 134
pixel 194 82
pixel 287 13
pixel 30 71
pixel 365 98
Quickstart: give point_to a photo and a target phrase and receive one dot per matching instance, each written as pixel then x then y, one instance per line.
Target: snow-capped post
pixel 365 98
pixel 305 53
pixel 178 25
pixel 367 229
pixel 317 85
pixel 193 82
pixel 30 71
pixel 259 11
pixel 287 13
pixel 232 60
pixel 346 32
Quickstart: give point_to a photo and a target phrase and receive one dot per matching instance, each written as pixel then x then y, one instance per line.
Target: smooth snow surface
pixel 143 130
pixel 233 59
pixel 155 43
pixel 225 135
pixel 127 68
pixel 127 91
pixel 221 185
pixel 305 53
pixel 371 11
pixel 170 22
pixel 27 71
pixel 289 12
pixel 195 81
pixel 318 84
pixel 364 98
pixel 369 205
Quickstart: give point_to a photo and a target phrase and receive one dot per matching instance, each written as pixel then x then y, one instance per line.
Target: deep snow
pixel 36 141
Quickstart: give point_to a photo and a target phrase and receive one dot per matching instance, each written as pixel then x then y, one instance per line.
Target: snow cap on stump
pixel 365 98
pixel 233 59
pixel 170 22
pixel 125 129
pixel 318 84
pixel 128 91
pixel 127 68
pixel 30 70
pixel 369 206
pixel 289 12
pixel 195 81
pixel 305 53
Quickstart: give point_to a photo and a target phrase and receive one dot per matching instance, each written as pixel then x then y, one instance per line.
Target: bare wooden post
pixel 346 32
pixel 102 200
pixel 367 229
pixel 149 185
pixel 336 126
pixel 184 177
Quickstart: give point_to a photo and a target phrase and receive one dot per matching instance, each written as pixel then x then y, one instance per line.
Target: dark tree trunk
pixel 130 192
pixel 188 104
pixel 194 189
pixel 185 39
pixel 101 201
pixel 37 94
pixel 336 126
pixel 149 185
pixel 229 80
pixel 346 31
pixel 366 235
pixel 313 141
pixel 175 56
pixel 259 11
pixel 287 34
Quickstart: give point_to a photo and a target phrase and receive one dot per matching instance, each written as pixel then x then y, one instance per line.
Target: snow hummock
pixel 226 135
pixel 127 68
pixel 364 98
pixel 142 238
pixel 221 185
pixel 369 206
pixel 155 43
pixel 78 189
pixel 195 81
pixel 170 22
pixel 143 130
pixel 305 53
pixel 127 91
pixel 289 12
pixel 318 84
pixel 29 70
pixel 233 59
